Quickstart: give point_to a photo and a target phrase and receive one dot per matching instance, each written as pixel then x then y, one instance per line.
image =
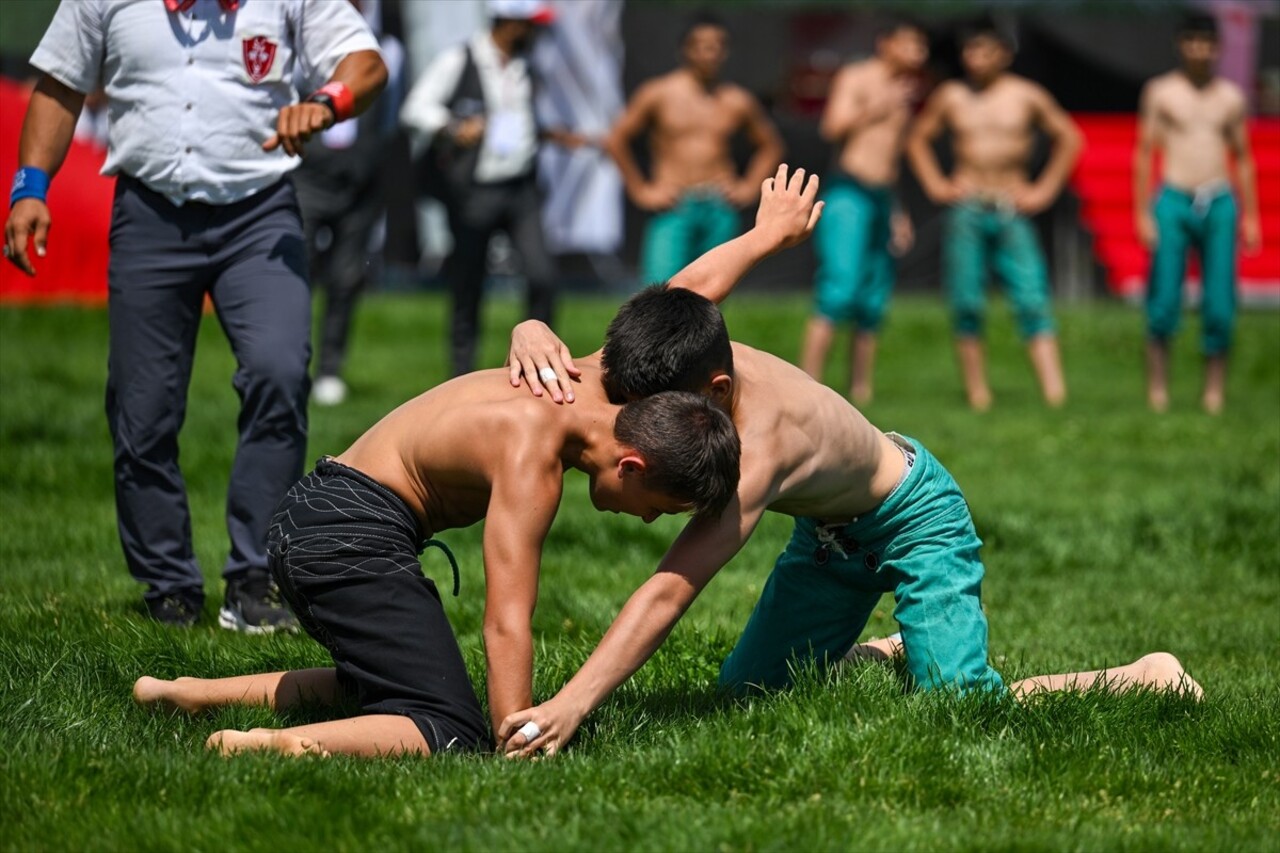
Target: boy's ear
pixel 720 389
pixel 632 463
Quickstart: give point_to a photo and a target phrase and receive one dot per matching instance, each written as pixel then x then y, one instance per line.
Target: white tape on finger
pixel 547 374
pixel 531 731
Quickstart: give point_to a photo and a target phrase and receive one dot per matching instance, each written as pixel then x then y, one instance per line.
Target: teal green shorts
pixel 978 236
pixel 674 238
pixel 855 269
pixel 919 545
pixel 1208 225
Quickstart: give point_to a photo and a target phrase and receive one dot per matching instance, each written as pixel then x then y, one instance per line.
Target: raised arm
pixel 1067 142
pixel 523 502
pixel 1246 176
pixel 788 212
pixel 1148 139
pixel 636 633
pixel 927 127
pixel 46 136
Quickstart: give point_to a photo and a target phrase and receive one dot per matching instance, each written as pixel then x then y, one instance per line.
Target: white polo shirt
pixel 192 95
pixel 511 133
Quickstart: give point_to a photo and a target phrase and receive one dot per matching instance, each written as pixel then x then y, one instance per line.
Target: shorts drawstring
pixel 453 564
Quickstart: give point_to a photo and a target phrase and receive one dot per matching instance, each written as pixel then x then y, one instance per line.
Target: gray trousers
pixel 250 259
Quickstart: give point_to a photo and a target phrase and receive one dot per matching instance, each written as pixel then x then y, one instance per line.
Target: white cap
pixel 537 11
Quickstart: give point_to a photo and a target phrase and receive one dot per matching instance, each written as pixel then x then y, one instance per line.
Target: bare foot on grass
pixel 1163 671
pixel 157 693
pixel 231 741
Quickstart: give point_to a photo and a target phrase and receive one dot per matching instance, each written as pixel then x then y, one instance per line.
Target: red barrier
pixel 75 267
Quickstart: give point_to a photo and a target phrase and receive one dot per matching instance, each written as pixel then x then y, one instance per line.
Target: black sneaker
pixel 174 610
pixel 253 606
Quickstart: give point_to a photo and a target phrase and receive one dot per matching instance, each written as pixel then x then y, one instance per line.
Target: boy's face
pixel 985 57
pixel 1198 50
pixel 705 49
pixel 905 48
pixel 624 491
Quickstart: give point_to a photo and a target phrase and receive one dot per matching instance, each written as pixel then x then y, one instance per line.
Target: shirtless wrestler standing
pixel 992 116
pixel 1194 118
pixel 691 115
pixel 866 119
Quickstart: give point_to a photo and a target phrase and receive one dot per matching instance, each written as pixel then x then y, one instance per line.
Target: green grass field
pixel 1109 531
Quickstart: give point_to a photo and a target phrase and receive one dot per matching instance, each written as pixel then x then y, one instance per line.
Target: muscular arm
pixel 46 136
pixel 522 505
pixel 1148 140
pixel 787 215
pixel 930 123
pixel 1246 175
pixel 646 619
pixel 633 121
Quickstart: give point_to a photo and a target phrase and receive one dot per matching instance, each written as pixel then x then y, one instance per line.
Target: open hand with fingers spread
pixel 789 209
pixel 542 360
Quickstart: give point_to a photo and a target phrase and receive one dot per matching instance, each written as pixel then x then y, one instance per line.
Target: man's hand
pixel 788 212
pixel 741 193
pixel 1033 198
pixel 902 235
pixel 536 353
pixel 296 124
pixel 468 132
pixel 947 192
pixel 556 725
pixel 1145 225
pixel 28 218
pixel 655 197
pixel 1250 234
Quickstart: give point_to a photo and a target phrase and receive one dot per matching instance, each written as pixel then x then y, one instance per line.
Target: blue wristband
pixel 29 182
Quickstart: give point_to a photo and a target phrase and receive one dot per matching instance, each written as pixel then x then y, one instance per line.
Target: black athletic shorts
pixel 344 550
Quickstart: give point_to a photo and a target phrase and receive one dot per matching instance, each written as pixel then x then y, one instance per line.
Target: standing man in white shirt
pixel 205 123
pixel 474 104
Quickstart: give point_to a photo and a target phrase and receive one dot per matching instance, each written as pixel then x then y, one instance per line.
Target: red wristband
pixel 344 103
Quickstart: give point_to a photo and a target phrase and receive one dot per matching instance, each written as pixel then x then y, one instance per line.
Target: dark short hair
pixel 1198 24
pixel 986 27
pixel 690 448
pixel 703 19
pixel 891 23
pixel 664 339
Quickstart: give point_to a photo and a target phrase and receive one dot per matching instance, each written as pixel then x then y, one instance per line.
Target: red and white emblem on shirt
pixel 259 56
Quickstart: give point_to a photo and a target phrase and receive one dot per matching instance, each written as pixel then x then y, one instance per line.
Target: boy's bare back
pixel 805 450
pixel 445 451
pixel 1193 126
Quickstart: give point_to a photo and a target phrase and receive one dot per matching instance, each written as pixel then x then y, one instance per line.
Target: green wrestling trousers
pixel 919 545
pixel 1204 221
pixel 674 238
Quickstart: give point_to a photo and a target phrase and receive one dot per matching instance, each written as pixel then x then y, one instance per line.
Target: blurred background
pixel 1092 55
